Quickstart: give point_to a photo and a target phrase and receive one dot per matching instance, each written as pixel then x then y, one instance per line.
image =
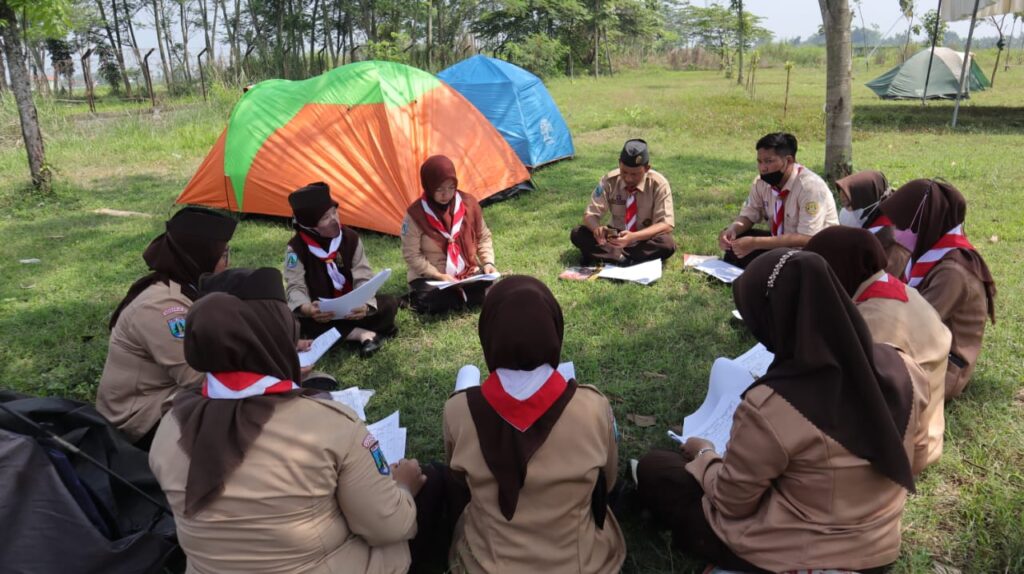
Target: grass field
pixel 648 348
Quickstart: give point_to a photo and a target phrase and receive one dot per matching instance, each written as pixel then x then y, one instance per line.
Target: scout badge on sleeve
pixel 370 443
pixel 177 327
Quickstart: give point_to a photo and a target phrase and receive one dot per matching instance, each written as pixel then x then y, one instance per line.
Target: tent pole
pixel 967 59
pixel 931 57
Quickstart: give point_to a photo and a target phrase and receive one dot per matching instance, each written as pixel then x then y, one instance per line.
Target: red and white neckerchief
pixel 880 223
pixel 631 208
pixel 885 287
pixel 953 239
pixel 328 257
pixel 240 385
pixel 779 217
pixel 454 264
pixel 531 403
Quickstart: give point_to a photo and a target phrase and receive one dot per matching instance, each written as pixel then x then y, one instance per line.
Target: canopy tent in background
pixel 364 129
pixel 907 81
pixel 518 105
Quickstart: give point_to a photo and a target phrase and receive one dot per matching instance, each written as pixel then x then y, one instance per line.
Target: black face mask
pixel 774 178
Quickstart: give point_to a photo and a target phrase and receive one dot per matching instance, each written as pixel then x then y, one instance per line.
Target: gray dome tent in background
pixel 908 79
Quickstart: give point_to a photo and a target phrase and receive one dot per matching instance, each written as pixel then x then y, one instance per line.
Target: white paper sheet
pixel 736 314
pixel 390 436
pixel 713 420
pixel 342 306
pixel 319 346
pixel 724 272
pixel 691 260
pixel 471 279
pixel 756 360
pixel 644 273
pixel 355 399
pixel 469 375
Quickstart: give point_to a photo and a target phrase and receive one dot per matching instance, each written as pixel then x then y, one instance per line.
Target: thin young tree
pixel 836 16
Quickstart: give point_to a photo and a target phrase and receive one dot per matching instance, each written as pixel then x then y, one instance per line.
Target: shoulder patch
pixel 291 260
pixel 177 309
pixel 370 443
pixel 598 191
pixel 811 207
pixel 177 327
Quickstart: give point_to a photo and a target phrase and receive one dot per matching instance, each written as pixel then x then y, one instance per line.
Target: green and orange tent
pixel 365 129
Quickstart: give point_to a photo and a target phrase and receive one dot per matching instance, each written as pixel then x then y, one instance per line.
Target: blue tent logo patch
pixel 177 327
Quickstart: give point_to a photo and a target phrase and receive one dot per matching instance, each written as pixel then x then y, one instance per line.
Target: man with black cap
pixel 794 201
pixel 642 216
pixel 145 360
pixel 325 259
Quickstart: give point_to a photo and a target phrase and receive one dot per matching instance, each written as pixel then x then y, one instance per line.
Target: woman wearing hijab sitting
pixel 896 315
pixel 324 260
pixel 444 238
pixel 263 477
pixel 818 463
pixel 860 195
pixel 537 451
pixel 145 361
pixel 945 268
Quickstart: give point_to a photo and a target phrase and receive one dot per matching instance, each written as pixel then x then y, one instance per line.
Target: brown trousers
pixel 742 262
pixel 381 322
pixel 433 301
pixel 660 246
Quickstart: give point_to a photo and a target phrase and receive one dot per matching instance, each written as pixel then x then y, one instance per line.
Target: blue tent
pixel 517 104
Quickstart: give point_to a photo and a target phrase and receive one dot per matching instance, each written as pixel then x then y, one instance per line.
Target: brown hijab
pixel 248 328
pixel 931 209
pixel 826 364
pixel 521 328
pixel 193 243
pixel 853 254
pixel 434 172
pixel 865 188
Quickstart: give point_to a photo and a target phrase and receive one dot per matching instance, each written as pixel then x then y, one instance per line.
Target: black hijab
pixel 193 243
pixel 826 364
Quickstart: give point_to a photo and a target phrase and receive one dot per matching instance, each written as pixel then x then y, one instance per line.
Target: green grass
pixel 648 348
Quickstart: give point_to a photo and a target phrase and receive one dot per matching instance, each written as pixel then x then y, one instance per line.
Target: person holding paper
pixel 818 464
pixel 445 238
pixel 324 260
pixel 860 196
pixel 264 476
pixel 537 452
pixel 898 315
pixel 794 201
pixel 145 364
pixel 642 214
pixel 948 271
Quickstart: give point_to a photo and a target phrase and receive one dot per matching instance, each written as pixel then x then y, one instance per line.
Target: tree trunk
pixel 204 10
pixel 22 87
pixel 837 17
pixel 3 72
pixel 739 10
pixel 118 51
pixel 185 58
pixel 131 34
pixel 158 16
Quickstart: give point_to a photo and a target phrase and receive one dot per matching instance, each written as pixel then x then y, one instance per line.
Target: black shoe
pixel 369 347
pixel 389 334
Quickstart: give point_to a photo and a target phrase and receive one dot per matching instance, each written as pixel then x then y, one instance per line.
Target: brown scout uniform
pixel 653 201
pixel 295 276
pixel 145 360
pixel 427 258
pixel 809 207
pixel 310 501
pixel 917 331
pixel 959 297
pixel 787 496
pixel 553 529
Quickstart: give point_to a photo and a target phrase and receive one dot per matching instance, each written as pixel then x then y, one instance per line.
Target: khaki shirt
pixel 959 298
pixel 917 331
pixel 653 201
pixel 809 207
pixel 145 360
pixel 295 276
pixel 425 256
pixel 786 496
pixel 553 529
pixel 308 497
